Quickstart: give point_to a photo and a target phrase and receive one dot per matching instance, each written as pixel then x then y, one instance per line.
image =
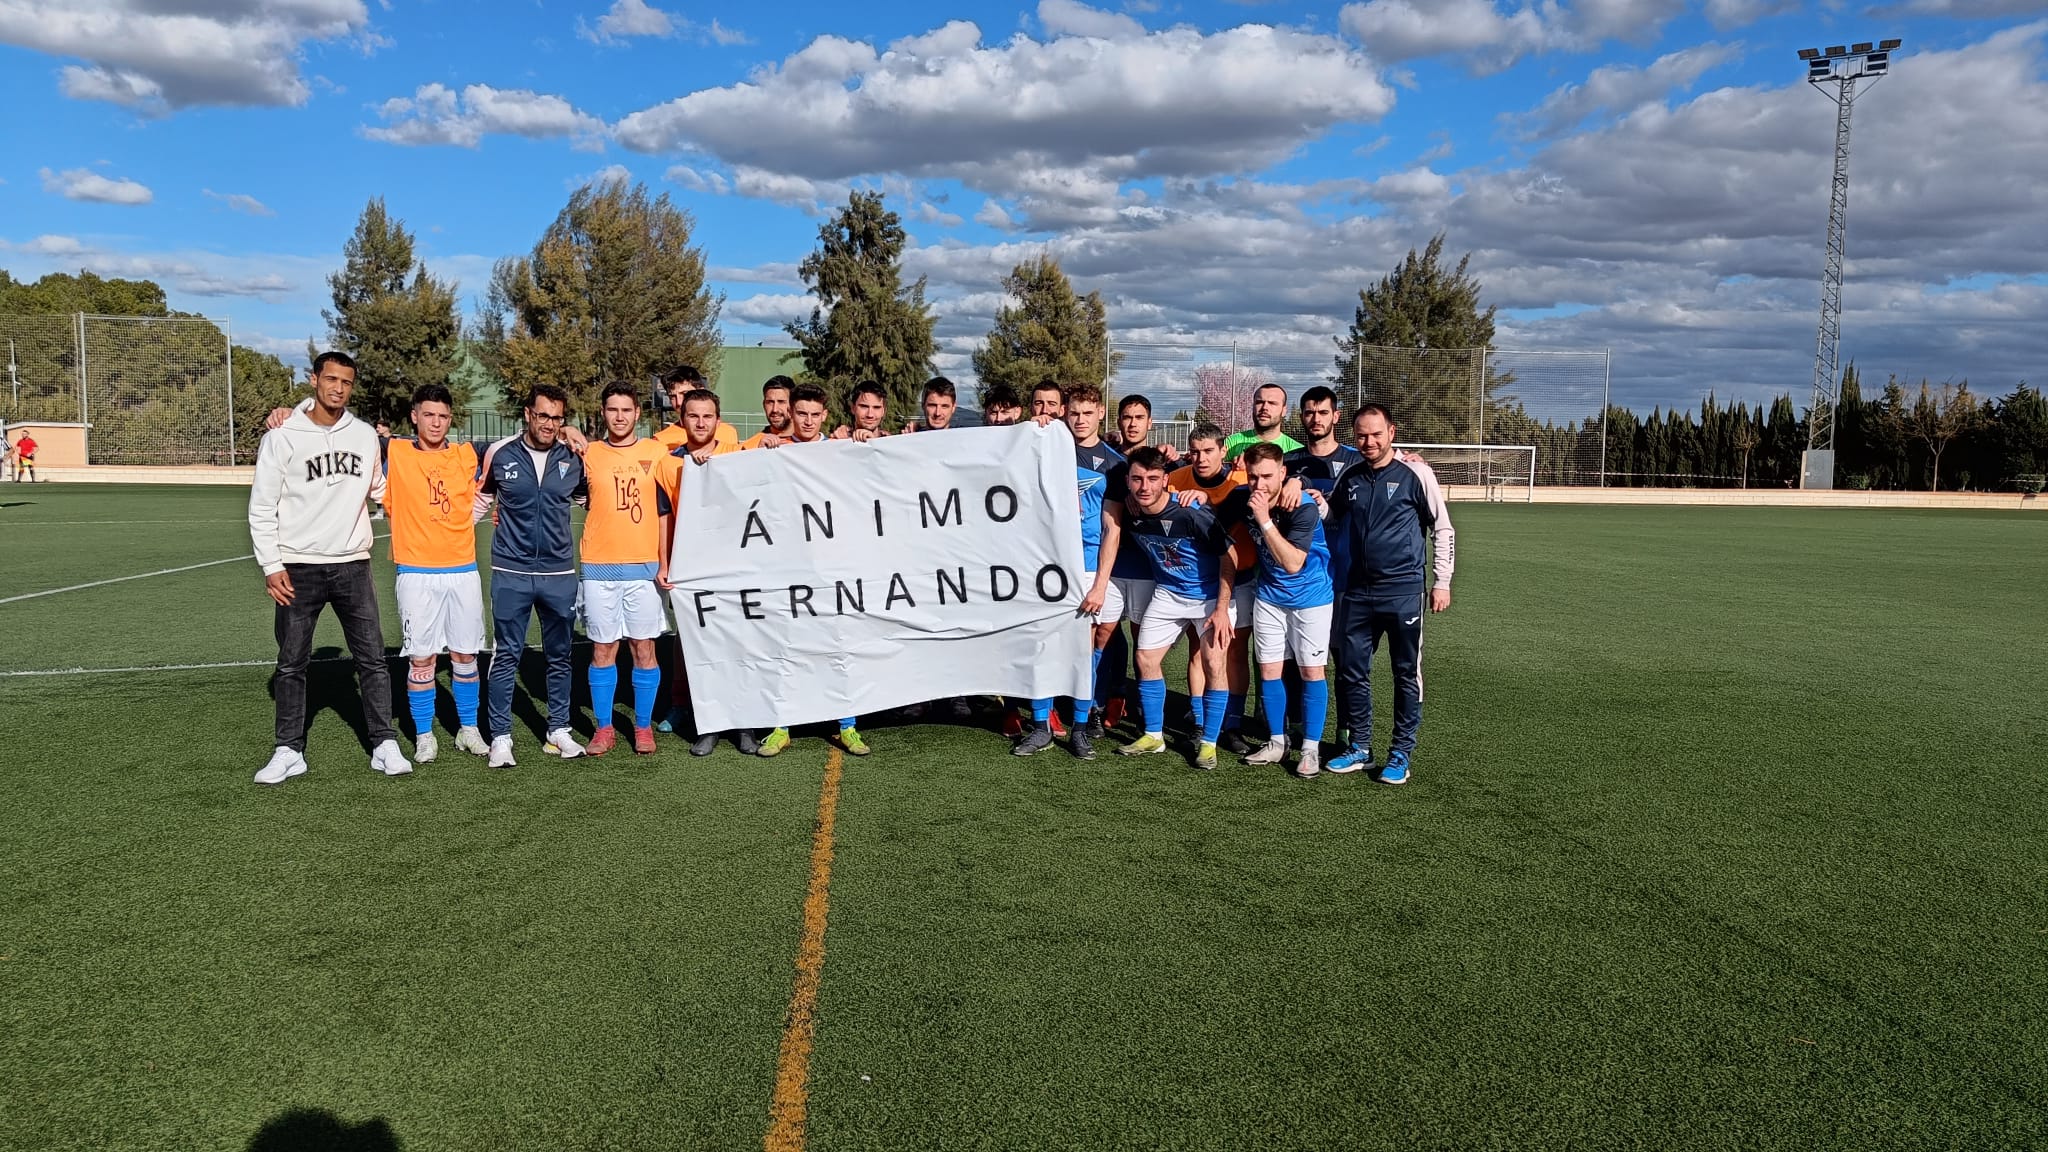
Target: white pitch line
pixel 142 576
pixel 161 667
pixel 119 579
pixel 13 524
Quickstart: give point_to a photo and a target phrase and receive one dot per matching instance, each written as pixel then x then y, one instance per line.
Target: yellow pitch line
pixel 787 1111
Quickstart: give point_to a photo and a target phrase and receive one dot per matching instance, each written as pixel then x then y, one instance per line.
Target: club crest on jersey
pixel 562 469
pixel 1393 486
pixel 646 466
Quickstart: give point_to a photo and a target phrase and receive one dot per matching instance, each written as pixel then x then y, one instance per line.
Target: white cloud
pixel 927 212
pixel 271 277
pixel 709 183
pixel 238 202
pixel 631 18
pixel 86 184
pixel 1060 120
pixel 771 309
pixel 729 37
pixel 161 55
pixel 1621 87
pixel 436 114
pixel 1962 9
pixel 1727 14
pixel 1491 38
pixel 609 174
pixel 993 215
pixel 1072 18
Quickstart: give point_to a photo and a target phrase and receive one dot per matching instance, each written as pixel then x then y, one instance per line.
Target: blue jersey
pixel 1093 485
pixel 1182 546
pixel 533 534
pixel 1301 527
pixel 1391 515
pixel 1131 563
pixel 1320 473
pixel 1099 458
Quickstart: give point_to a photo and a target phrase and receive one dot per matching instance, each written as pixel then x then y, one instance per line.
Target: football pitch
pixel 1728 829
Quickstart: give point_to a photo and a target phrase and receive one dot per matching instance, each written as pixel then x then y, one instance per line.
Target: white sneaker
pixel 501 753
pixel 469 740
pixel 1274 752
pixel 386 758
pixel 425 748
pixel 285 763
pixel 1310 763
pixel 561 743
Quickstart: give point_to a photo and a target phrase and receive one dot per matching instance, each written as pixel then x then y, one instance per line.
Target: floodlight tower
pixel 1840 66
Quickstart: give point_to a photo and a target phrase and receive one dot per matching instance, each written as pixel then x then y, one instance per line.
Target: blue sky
pixel 1642 175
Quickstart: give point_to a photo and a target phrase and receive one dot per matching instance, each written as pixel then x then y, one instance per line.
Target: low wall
pixel 112 474
pixel 1762 497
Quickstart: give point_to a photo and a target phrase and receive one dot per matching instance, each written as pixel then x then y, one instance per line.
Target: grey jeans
pixel 349 588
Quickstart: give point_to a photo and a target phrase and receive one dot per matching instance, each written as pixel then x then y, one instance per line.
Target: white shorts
pixel 1303 633
pixel 1168 615
pixel 441 612
pixel 1112 599
pixel 1241 598
pixel 622 609
pixel 1135 594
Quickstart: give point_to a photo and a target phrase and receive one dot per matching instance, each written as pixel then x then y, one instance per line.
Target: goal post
pixel 1495 472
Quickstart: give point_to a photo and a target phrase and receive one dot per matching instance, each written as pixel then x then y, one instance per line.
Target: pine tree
pixel 866 325
pixel 1414 345
pixel 613 292
pixel 1048 335
pixel 398 322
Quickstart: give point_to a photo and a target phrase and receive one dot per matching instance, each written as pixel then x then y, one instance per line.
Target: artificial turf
pixel 1726 831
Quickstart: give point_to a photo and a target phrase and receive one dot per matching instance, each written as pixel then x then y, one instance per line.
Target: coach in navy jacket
pixel 533 478
pixel 1386 507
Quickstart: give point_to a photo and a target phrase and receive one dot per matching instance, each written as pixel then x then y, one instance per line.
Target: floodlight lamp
pixel 1888 45
pixel 1809 53
pixel 1859 49
pixel 1837 50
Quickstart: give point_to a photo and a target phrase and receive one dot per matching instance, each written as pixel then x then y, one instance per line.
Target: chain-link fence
pixel 149 390
pixel 1553 401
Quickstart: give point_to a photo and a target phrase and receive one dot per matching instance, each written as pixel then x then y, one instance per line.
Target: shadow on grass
pixel 318 1130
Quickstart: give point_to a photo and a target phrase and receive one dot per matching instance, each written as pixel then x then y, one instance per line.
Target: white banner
pixel 821 581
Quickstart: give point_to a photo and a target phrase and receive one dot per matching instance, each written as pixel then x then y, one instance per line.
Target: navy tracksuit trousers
pixel 1363 616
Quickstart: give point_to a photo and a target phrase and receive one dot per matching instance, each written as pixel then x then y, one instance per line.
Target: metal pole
pixel 1606 383
pixel 1233 381
pixel 1820 433
pixel 84 409
pixel 1479 401
pixel 13 381
pixel 227 330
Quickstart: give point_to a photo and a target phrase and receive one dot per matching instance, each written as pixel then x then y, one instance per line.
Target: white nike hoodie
pixel 309 503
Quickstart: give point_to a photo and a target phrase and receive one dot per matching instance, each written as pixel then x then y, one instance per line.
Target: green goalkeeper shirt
pixel 1239 441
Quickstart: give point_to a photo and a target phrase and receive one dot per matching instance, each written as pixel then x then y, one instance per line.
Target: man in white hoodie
pixel 309 520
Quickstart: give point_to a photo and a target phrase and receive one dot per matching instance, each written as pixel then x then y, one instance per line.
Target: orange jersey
pixel 1182 479
pixel 726 439
pixel 431 497
pixel 754 441
pixel 631 489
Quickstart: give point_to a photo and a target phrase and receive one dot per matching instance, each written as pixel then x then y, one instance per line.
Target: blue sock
pixel 604 688
pixel 421 698
pixel 1152 701
pixel 467 685
pixel 1315 709
pixel 1041 710
pixel 1212 714
pixel 1234 718
pixel 1273 698
pixel 849 722
pixel 1083 705
pixel 1195 708
pixel 646 689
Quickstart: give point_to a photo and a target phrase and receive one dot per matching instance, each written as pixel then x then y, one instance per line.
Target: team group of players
pixel 1254 540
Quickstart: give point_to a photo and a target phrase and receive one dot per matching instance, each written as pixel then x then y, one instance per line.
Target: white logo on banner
pixel 821 581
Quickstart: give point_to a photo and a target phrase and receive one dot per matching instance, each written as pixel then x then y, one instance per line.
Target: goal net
pixel 1497 472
